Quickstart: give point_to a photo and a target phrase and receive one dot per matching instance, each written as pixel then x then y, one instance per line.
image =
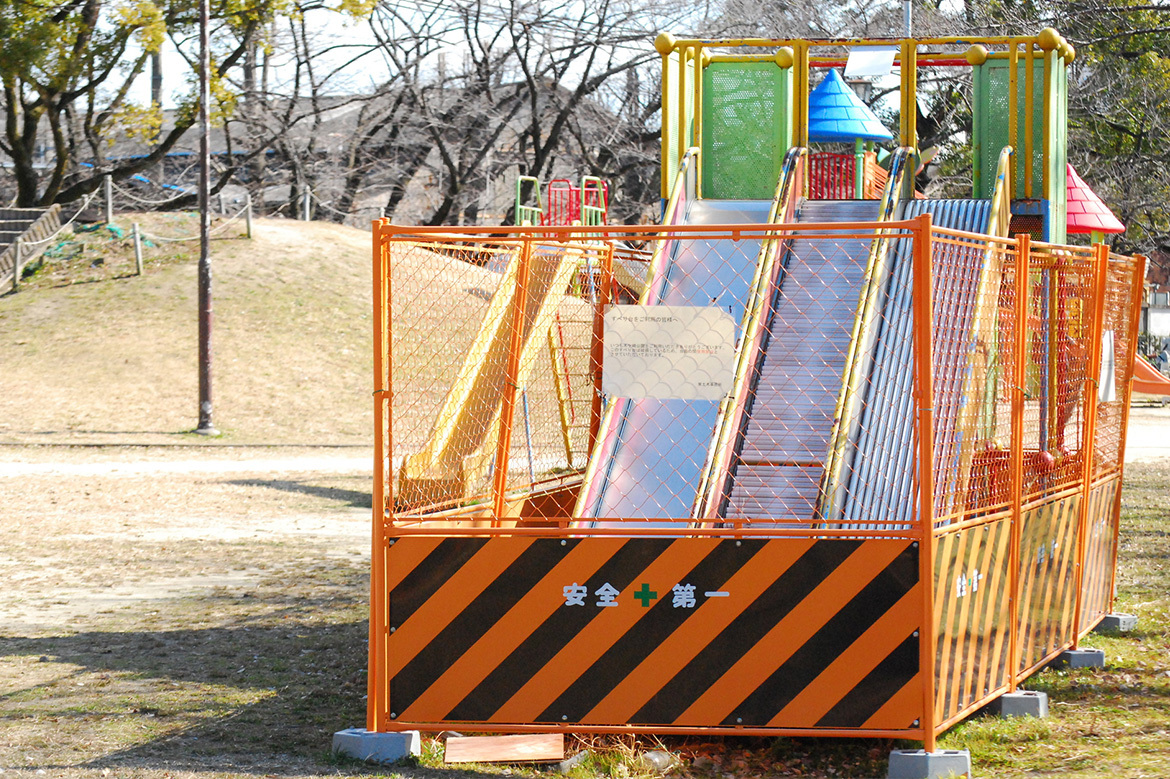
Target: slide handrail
pixel 684 191
pixel 1000 219
pixel 899 185
pixel 789 188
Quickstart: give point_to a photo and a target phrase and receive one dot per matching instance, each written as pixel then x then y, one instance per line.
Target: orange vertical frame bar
pixel 508 402
pixel 924 381
pixel 597 344
pixel 376 687
pixel 1139 278
pixel 1019 368
pixel 1092 373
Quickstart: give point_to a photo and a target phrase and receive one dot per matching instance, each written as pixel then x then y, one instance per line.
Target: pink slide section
pixel 1147 379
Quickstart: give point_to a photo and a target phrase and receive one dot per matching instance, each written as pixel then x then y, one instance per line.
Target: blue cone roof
pixel 835 113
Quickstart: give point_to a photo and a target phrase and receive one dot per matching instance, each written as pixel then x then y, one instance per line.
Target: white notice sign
pixel 682 352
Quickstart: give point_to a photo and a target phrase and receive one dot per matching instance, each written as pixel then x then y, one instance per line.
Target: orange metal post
pixel 1139 277
pixel 511 377
pixel 597 346
pixel 923 348
pixel 1092 370
pixel 376 704
pixel 1019 363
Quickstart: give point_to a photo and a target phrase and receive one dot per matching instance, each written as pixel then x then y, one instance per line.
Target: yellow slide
pixel 458 455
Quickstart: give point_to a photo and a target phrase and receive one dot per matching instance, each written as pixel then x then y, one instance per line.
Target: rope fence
pixel 302 204
pixel 24 248
pixel 303 212
pixel 138 199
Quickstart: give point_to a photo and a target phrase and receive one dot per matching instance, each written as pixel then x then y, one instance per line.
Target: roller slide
pixel 878 477
pixel 650 453
pixel 780 459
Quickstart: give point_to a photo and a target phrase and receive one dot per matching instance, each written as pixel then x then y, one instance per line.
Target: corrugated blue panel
pixel 879 476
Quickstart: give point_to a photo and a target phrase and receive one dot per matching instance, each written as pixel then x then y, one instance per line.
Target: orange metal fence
pixel 544 556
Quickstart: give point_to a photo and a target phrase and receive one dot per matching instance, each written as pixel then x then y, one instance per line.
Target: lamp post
pixel 205 426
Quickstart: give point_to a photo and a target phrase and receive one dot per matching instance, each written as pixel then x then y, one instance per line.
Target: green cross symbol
pixel 645 595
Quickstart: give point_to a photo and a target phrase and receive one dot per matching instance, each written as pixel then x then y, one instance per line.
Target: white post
pixel 307 195
pixel 221 208
pixel 248 214
pixel 108 186
pixel 137 251
pixel 18 249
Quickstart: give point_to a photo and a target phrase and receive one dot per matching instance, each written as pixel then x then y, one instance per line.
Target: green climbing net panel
pixel 990 131
pixel 746 130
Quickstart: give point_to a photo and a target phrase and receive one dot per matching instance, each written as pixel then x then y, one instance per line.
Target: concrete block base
pixel 1117 623
pixel 920 764
pixel 1023 703
pixel 360 744
pixel 1080 658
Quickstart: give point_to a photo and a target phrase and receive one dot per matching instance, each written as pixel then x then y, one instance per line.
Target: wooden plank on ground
pixel 526 748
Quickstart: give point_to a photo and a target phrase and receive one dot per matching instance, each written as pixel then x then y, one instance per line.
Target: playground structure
pixel 568 203
pixel 849 467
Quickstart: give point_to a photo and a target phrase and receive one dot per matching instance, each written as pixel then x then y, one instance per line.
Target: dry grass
pixel 94 354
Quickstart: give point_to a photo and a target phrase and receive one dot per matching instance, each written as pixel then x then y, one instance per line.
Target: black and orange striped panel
pixel 1048 545
pixel 972 615
pixel 688 632
pixel 1096 583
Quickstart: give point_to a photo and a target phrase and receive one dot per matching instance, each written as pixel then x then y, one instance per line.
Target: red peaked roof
pixel 1086 212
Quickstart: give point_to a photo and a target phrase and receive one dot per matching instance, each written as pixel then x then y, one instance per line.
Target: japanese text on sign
pixel 680 352
pixel 682 595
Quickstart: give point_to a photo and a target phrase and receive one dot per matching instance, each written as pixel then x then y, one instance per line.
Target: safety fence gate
pixel 838 479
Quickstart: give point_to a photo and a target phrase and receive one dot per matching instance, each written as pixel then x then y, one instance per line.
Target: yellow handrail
pixel 999 220
pixel 789 189
pixel 685 183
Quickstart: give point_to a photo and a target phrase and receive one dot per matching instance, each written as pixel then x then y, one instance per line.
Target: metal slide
pixel 650 453
pixel 878 479
pixel 781 457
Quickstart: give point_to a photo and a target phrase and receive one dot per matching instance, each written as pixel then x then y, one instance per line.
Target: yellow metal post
pixel 1028 109
pixel 909 100
pixel 697 114
pixel 800 94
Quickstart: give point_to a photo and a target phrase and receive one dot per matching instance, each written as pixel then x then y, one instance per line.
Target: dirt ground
pixel 182 610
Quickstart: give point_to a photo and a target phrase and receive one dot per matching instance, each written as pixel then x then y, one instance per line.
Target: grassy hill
pixel 90 353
